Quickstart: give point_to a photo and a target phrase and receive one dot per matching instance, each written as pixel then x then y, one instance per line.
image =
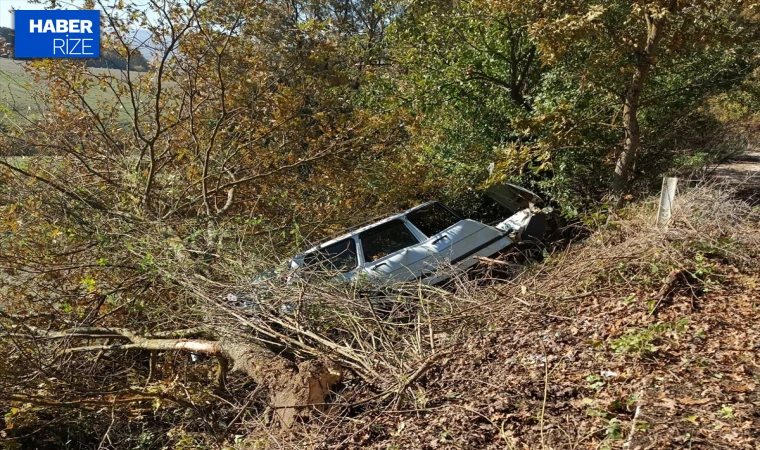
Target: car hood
pixel 513 197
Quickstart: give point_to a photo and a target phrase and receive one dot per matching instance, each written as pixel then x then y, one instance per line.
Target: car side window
pixel 385 239
pixel 432 219
pixel 340 256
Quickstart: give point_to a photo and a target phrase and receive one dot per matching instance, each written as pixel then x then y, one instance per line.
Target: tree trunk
pixel 295 390
pixel 644 62
pixel 632 135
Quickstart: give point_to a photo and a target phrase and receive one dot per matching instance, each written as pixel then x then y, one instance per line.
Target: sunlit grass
pixel 18 92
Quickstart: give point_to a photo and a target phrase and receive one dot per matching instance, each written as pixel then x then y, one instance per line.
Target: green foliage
pixel 644 342
pixel 726 412
pixel 595 382
pixel 614 430
pixel 536 88
pixel 469 71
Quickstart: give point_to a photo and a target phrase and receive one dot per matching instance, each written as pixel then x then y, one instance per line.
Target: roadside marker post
pixel 667 197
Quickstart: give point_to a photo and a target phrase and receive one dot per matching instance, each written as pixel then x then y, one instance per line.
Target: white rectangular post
pixel 667 197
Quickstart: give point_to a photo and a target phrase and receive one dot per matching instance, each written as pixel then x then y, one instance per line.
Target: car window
pixel 385 239
pixel 339 256
pixel 432 219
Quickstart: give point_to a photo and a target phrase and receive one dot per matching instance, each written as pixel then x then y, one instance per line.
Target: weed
pixel 631 401
pixel 630 298
pixel 642 342
pixel 420 398
pixel 614 430
pixel 703 269
pixel 595 382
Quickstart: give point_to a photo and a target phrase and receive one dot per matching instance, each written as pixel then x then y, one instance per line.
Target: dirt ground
pixel 742 171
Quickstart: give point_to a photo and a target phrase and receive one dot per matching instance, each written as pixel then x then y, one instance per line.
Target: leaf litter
pixel 595 347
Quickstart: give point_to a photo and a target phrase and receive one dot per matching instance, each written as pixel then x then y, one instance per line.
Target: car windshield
pixel 432 219
pixel 386 238
pixel 340 256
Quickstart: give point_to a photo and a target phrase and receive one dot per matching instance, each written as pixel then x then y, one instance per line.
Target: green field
pixel 15 86
pixel 17 90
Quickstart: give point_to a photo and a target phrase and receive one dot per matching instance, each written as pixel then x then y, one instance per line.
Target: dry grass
pixel 623 339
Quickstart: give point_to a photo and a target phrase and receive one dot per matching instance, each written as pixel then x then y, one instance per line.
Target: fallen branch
pixel 426 365
pixel 494 261
pixel 667 286
pixel 307 383
pixel 633 421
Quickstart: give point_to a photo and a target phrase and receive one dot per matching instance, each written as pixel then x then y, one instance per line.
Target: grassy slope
pixel 17 89
pixel 14 85
pixel 571 351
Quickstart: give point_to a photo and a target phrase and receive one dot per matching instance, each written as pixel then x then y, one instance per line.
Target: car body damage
pixel 428 242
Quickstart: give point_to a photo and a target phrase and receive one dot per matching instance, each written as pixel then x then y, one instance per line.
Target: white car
pixel 425 242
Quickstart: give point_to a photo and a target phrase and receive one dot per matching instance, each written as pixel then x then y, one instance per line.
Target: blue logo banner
pixel 57 34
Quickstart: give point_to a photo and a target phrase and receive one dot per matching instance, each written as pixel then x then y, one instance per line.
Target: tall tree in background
pixel 469 70
pixel 565 93
pixel 646 55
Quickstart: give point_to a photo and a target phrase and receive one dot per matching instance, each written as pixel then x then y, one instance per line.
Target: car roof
pixel 356 231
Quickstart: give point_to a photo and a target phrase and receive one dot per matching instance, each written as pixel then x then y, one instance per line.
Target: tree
pixel 468 71
pixel 6 37
pixel 153 195
pixel 576 98
pixel 293 387
pixel 627 52
pixel 111 59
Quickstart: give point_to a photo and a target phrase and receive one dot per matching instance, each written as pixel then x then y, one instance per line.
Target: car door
pixel 392 252
pixel 454 241
pixel 337 260
pixel 437 224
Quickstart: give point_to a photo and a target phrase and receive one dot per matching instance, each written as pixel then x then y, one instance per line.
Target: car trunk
pixel 512 197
